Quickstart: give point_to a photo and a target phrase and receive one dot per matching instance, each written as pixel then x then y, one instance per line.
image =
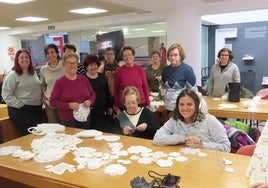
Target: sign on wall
pixel 11 52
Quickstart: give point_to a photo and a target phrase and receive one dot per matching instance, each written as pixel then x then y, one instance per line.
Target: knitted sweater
pixel 174 80
pixel 130 76
pixel 21 90
pixel 49 75
pixel 66 91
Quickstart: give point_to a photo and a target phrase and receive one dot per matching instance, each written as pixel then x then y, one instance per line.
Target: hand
pixel 142 127
pixel 73 105
pixel 87 103
pixel 141 183
pixel 127 130
pixel 116 109
pixel 193 142
pixel 159 78
pixel 45 99
pixel 110 111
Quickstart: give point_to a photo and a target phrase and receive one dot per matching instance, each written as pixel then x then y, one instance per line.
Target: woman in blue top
pixel 176 76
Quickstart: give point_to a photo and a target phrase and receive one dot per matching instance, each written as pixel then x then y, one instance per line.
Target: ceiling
pixel 147 14
pixel 56 11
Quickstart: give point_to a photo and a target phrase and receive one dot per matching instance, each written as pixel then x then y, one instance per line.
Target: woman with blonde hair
pixel 176 76
pixel 72 92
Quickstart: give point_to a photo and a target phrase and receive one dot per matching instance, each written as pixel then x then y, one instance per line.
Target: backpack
pixel 238 138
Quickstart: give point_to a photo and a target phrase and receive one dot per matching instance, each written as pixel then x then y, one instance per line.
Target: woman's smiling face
pixel 186 108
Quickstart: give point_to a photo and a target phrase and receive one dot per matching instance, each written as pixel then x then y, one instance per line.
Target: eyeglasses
pixel 128 103
pixel 224 55
pixel 174 55
pixel 71 63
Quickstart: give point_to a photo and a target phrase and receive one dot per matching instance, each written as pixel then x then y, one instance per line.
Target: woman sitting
pixel 190 126
pixel 135 120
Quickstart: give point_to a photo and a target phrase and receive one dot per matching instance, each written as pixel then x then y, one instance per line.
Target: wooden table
pixel 207 172
pixel 3 111
pixel 260 113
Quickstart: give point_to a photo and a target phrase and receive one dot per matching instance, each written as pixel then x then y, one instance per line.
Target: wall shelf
pixel 247 58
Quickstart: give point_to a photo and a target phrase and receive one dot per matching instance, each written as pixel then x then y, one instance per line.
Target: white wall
pixel 7 41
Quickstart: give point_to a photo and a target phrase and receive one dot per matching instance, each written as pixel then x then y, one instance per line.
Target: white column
pixel 6 63
pixel 184 27
pixel 74 38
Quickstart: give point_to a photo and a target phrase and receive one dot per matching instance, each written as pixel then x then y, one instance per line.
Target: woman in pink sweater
pixel 70 91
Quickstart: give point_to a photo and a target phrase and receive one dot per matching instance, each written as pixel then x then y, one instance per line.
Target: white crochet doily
pixel 82 113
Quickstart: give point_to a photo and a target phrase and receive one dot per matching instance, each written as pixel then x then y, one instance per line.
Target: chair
pixel 263 93
pixel 246 150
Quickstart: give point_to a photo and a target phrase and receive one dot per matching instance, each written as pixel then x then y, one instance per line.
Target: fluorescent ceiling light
pixel 125 30
pixel 31 19
pixel 237 17
pixel 159 31
pixel 4 28
pixel 15 1
pixel 158 23
pixel 88 10
pixel 138 29
pixel 116 27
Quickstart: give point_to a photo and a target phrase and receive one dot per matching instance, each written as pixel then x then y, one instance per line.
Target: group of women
pixel 67 94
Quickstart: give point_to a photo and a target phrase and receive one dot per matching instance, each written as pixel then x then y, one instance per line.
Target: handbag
pixel 234 92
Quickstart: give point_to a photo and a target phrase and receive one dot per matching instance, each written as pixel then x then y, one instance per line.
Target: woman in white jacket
pixel 191 127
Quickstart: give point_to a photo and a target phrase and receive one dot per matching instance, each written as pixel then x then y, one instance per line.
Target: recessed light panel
pixel 31 19
pixel 88 10
pixel 4 28
pixel 138 29
pixel 15 1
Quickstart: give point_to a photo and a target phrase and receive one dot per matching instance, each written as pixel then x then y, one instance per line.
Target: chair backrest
pixel 263 93
pixel 246 150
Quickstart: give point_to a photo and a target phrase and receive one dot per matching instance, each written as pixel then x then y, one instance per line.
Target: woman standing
pixel 176 76
pixel 136 121
pixel 190 126
pixel 154 72
pixel 130 74
pixel 72 92
pixel 22 93
pixel 223 73
pixel 48 75
pixel 103 103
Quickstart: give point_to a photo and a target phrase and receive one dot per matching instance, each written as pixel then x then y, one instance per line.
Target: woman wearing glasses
pixel 72 92
pixel 222 73
pixel 176 76
pixel 135 120
pixel 130 74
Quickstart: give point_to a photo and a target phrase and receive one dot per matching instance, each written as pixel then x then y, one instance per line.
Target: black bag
pixel 234 92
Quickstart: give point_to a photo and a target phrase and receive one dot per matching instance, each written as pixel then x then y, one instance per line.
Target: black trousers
pixel 25 117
